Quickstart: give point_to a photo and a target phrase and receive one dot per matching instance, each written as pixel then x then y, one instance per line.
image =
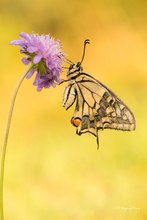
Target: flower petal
pixel 17 43
pixel 37 59
pixel 30 73
pixel 39 89
pixel 25 61
pixel 27 37
pixel 32 49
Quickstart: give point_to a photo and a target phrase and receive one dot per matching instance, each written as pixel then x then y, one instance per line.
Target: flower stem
pixel 4 147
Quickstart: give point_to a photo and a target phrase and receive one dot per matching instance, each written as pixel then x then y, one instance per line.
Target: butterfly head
pixel 74 70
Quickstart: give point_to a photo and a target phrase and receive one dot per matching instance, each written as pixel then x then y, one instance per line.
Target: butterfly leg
pixel 62 81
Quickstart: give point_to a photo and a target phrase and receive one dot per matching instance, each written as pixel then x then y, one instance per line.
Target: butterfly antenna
pixel 85 42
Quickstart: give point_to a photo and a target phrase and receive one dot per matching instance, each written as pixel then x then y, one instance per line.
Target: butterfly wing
pixel 97 107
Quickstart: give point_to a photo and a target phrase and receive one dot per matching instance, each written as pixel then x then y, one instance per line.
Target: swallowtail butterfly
pixel 97 107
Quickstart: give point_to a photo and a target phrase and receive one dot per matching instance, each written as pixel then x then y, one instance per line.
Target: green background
pixel 51 173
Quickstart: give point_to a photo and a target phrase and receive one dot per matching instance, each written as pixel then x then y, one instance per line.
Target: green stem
pixel 4 147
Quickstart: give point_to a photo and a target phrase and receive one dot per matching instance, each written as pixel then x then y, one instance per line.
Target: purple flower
pixel 45 54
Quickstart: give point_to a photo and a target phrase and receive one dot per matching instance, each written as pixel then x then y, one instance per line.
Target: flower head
pixel 45 54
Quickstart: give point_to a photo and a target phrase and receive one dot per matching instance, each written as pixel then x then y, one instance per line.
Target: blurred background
pixel 51 173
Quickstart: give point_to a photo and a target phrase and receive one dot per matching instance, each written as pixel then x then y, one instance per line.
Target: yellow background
pixel 51 173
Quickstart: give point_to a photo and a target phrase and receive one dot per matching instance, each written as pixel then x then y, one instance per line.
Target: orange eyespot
pixel 76 122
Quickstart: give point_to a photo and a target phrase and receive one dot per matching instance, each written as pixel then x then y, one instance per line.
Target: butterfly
pixel 97 107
